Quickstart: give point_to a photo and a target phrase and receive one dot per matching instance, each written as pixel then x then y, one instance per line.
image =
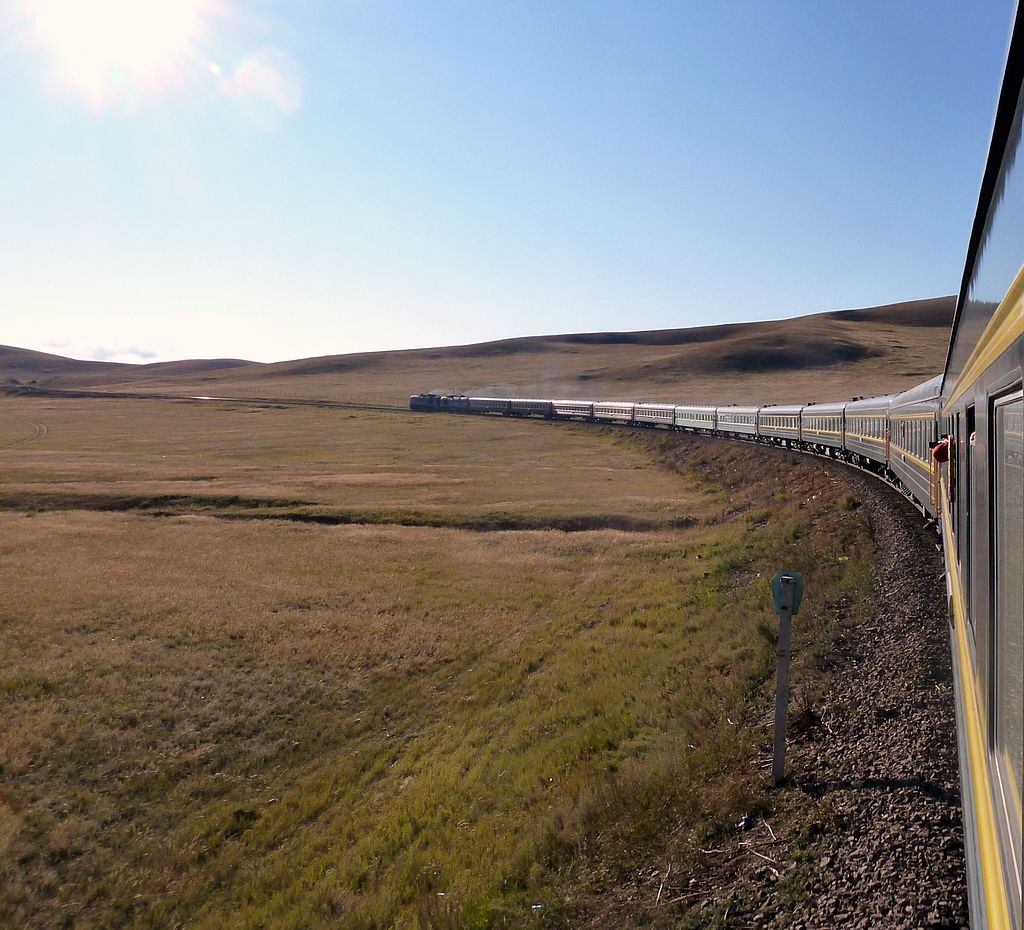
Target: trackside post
pixel 787 592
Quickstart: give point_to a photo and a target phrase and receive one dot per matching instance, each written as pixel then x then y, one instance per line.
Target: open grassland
pixel 264 669
pixel 328 466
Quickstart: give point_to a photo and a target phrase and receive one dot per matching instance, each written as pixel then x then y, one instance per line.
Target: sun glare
pixel 102 45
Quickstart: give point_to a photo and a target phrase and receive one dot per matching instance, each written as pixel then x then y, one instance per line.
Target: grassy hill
pixel 826 355
pixel 27 366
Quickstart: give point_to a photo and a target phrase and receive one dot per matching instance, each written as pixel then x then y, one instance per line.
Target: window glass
pixel 1008 691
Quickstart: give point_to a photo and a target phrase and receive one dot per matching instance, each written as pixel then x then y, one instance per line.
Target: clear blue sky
pixel 306 178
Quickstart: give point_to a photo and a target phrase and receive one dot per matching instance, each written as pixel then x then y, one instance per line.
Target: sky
pixel 272 180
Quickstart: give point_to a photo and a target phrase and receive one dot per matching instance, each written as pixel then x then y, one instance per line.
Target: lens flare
pixel 102 46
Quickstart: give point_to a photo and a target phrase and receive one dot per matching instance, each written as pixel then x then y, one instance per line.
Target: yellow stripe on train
pixel 997 908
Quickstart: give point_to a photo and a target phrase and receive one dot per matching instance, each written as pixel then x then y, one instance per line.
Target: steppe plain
pixel 276 666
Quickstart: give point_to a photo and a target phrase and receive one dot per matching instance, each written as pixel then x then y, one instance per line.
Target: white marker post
pixel 787 592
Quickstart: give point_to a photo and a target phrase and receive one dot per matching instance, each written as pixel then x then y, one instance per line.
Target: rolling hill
pixel 826 355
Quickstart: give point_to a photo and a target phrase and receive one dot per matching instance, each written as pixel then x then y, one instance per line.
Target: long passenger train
pixel 955 446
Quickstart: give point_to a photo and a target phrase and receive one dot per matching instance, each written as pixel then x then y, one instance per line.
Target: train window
pixel 1008 548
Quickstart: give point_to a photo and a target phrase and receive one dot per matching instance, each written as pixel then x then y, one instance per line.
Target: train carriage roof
pixel 867 405
pixel 825 410
pixel 975 311
pixel 925 392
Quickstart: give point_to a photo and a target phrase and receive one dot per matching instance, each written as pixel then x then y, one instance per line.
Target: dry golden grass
pixel 217 720
pixel 314 463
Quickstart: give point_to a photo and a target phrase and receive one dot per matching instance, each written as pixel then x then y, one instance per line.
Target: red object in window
pixel 940 451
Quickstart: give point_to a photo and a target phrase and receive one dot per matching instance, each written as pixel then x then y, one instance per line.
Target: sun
pixel 101 45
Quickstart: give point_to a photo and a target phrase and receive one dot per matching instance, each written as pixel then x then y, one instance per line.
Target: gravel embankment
pixel 869 834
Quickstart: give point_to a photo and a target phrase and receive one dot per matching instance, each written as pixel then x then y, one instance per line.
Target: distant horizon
pixel 278 181
pixel 551 335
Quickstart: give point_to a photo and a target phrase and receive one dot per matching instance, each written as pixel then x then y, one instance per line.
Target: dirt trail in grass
pixel 39 431
pixel 236 507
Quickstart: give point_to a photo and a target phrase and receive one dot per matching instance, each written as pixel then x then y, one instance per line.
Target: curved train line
pixel 955 446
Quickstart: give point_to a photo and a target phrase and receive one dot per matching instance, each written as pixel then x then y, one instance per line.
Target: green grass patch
pixel 375 723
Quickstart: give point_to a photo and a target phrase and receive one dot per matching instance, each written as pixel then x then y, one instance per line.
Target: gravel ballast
pixel 868 831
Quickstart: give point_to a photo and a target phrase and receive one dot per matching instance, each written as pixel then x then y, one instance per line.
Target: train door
pixel 966 507
pixel 1007 435
pixel 954 488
